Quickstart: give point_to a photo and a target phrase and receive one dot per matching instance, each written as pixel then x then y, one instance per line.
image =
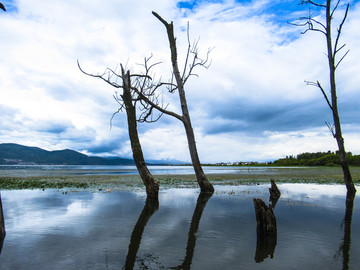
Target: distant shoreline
pixel 52 179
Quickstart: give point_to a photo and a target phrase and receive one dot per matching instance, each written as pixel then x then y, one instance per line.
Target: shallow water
pixel 117 230
pixel 36 170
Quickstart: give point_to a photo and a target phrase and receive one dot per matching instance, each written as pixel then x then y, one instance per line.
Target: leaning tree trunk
pixel 152 186
pixel 202 180
pixel 338 134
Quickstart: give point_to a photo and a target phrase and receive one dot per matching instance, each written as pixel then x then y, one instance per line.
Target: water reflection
pixel 194 226
pixel 266 231
pixel 266 228
pixel 345 246
pixel 84 230
pixel 151 206
pixel 2 225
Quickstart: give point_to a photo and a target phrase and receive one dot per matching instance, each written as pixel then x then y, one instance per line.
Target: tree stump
pixel 265 218
pixel 274 194
pixel 266 231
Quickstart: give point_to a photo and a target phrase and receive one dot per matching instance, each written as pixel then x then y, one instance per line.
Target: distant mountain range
pixel 15 154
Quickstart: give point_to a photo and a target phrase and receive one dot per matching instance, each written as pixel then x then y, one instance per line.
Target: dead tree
pixel 179 85
pixel 333 50
pixel 144 88
pixel 128 99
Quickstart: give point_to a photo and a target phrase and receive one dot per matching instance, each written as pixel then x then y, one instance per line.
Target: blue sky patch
pixel 10 6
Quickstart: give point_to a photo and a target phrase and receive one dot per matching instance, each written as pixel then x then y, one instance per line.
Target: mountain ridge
pixel 17 154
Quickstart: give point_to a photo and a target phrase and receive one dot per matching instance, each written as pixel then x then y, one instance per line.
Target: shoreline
pixel 58 179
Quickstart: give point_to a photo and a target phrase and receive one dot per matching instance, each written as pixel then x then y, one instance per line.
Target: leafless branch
pixel 336 6
pixel 317 84
pixel 156 106
pixel 342 58
pixel 103 76
pixel 304 2
pixel 309 22
pixel 188 51
pixel 331 128
pixel 339 31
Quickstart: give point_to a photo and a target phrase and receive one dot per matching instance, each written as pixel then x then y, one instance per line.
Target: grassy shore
pixel 64 180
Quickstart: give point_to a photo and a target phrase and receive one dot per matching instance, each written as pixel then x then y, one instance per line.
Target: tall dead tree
pixel 333 50
pixel 128 99
pixel 144 91
pixel 179 85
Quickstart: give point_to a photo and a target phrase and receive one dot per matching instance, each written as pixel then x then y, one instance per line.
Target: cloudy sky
pixel 251 104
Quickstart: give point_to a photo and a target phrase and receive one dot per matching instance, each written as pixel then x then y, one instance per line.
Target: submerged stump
pixel 274 194
pixel 266 231
pixel 265 218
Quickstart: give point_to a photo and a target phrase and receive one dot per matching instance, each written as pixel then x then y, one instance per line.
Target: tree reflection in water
pixel 194 226
pixel 151 206
pixel 266 228
pixel 2 225
pixel 345 246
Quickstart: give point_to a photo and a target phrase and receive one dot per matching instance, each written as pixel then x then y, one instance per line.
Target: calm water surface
pixel 21 170
pixel 123 230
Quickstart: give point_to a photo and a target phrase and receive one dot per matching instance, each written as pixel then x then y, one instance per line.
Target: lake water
pixel 38 170
pixel 118 230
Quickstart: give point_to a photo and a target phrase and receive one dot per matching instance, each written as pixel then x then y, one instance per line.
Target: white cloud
pixel 256 61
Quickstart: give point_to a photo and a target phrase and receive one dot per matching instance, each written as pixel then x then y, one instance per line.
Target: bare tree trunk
pixel 202 180
pixel 338 133
pixel 151 185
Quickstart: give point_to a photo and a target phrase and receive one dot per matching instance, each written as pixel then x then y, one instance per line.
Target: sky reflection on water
pixel 84 230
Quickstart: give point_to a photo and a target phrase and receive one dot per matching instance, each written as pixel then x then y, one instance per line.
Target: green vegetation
pixel 47 179
pixel 317 159
pixel 39 184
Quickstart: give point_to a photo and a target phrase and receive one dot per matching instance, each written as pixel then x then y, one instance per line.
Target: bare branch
pixel 342 58
pixel 309 22
pixel 339 31
pixel 114 84
pixel 331 128
pixel 2 7
pixel 336 6
pixel 317 84
pixel 304 2
pixel 188 52
pixel 146 99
